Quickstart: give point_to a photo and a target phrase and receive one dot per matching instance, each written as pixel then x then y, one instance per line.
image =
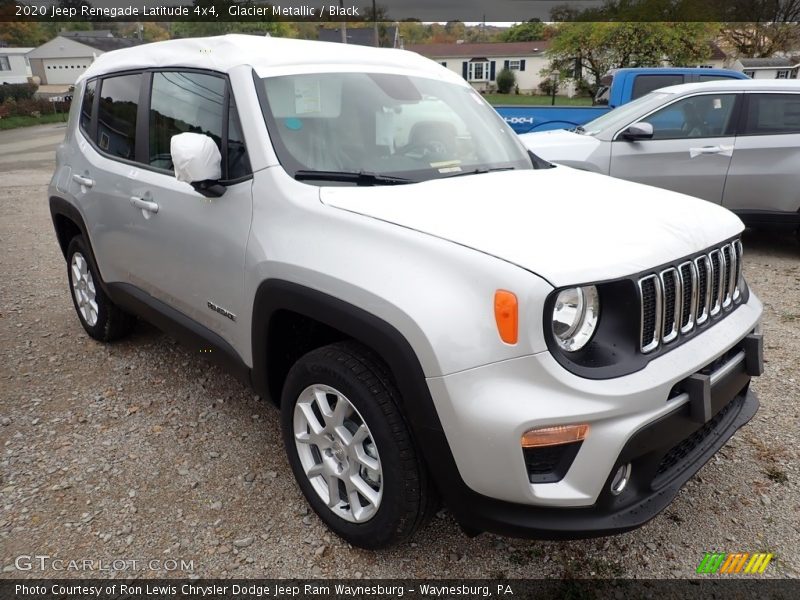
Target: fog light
pixel 621 479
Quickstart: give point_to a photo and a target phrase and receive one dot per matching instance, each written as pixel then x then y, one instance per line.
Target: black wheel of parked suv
pixel 350 448
pixel 101 318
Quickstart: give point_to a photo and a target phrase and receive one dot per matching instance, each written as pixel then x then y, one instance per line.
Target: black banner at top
pixel 400 10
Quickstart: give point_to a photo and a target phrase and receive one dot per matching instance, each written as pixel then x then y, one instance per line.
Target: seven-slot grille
pixel 679 298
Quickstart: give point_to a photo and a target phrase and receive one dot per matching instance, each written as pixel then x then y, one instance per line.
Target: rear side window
pixel 644 84
pixel 87 105
pixel 116 117
pixel 772 114
pixel 184 102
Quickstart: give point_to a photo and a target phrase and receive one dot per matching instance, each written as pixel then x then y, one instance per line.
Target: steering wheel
pixel 432 148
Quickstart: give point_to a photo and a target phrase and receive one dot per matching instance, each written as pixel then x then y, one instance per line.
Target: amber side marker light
pixel 506 314
pixel 554 436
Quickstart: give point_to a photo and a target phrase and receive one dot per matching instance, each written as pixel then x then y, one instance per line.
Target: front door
pixel 194 260
pixel 691 149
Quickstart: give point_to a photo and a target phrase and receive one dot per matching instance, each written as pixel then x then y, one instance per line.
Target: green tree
pixel 23 34
pixel 525 32
pixel 760 40
pixel 599 47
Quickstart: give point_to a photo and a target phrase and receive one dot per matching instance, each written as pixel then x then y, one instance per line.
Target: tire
pixel 381 455
pixel 101 318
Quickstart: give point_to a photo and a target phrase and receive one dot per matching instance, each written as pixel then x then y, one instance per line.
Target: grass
pixel 14 122
pixel 523 100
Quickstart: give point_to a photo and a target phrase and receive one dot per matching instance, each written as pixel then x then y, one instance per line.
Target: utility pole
pixel 343 28
pixel 377 39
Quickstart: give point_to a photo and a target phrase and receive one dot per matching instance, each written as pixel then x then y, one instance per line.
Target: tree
pixel 525 32
pixel 23 34
pixel 760 40
pixel 599 47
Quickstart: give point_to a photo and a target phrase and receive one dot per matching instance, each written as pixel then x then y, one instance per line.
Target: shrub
pixel 505 81
pixel 16 91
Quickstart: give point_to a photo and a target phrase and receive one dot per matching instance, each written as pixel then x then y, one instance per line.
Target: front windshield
pixel 387 125
pixel 622 115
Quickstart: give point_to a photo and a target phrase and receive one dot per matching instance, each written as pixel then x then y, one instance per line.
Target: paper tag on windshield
pixel 384 128
pixel 307 97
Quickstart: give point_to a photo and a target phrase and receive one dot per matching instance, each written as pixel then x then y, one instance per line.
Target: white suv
pixel 437 312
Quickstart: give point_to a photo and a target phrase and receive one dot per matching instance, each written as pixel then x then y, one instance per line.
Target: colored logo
pixel 735 562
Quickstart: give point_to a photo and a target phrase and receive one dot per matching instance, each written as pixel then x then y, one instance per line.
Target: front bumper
pixel 649 420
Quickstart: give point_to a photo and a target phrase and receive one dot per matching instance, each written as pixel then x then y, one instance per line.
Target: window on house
pixel 513 65
pixel 443 63
pixel 479 71
pixel 782 74
pixel 750 74
pixel 4 64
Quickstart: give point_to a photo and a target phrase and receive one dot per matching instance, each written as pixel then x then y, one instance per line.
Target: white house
pixel 777 67
pixel 14 67
pixel 480 63
pixel 63 59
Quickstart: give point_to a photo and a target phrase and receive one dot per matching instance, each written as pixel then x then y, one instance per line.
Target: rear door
pixel 691 148
pixel 764 176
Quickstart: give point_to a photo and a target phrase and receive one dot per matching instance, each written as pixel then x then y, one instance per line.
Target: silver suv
pixel 355 233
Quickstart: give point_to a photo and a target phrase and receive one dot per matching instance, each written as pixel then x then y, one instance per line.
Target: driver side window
pixel 702 116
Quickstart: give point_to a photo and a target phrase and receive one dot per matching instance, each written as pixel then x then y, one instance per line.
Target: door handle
pixel 726 150
pixel 144 204
pixel 84 181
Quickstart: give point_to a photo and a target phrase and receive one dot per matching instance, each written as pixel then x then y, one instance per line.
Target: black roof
pixel 105 44
pixel 361 36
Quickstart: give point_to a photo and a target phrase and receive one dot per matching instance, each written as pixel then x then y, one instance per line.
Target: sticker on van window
pixel 307 98
pixel 384 128
pixel 447 166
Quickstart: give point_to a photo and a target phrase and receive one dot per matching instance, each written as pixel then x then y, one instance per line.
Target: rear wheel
pixel 101 318
pixel 350 448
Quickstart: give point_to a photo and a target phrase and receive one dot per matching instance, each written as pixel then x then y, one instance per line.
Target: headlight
pixel 575 317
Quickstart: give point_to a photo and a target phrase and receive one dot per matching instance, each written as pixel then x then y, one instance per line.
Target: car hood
pixel 560 145
pixel 567 226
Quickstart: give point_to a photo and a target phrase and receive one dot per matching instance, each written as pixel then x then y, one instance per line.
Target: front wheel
pixel 350 448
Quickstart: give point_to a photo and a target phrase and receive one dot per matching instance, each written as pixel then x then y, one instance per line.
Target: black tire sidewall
pixel 389 522
pixel 97 331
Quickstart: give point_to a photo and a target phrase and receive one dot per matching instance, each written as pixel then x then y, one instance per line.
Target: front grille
pixel 680 298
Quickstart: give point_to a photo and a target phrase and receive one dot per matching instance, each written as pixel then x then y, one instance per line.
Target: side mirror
pixel 196 160
pixel 638 131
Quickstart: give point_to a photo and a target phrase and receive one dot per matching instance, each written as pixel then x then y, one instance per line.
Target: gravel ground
pixel 142 451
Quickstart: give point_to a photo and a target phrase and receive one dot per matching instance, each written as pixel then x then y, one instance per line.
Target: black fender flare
pixel 384 339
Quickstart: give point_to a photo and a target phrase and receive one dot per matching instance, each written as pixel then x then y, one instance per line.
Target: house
pixel 362 36
pixel 717 58
pixel 480 63
pixel 777 67
pixel 14 67
pixel 63 59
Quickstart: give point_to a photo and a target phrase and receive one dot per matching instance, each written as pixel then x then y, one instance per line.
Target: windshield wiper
pixel 478 171
pixel 357 177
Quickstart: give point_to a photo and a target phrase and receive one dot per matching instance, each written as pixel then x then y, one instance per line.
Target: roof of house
pixel 76 46
pixel 766 63
pixel 5 50
pixel 361 36
pixel 716 52
pixel 266 55
pixel 92 33
pixel 522 49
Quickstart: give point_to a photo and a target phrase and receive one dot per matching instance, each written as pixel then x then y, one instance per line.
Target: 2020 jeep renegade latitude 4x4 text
pixel 438 313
